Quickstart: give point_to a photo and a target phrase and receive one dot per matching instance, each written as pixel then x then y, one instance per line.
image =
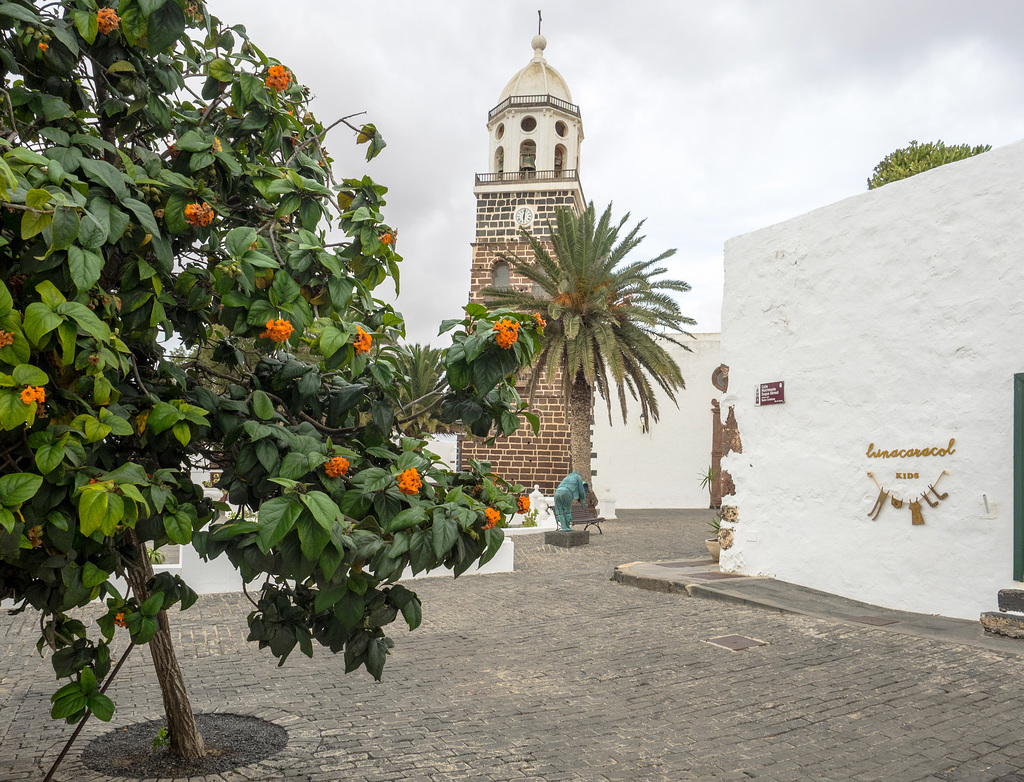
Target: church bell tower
pixel 535 133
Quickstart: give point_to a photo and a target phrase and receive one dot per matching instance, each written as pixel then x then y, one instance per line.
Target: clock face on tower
pixel 523 216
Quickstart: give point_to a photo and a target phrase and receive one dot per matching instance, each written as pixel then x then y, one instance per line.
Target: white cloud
pixel 708 119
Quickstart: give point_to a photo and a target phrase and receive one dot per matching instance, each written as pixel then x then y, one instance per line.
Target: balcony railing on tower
pixel 534 100
pixel 528 176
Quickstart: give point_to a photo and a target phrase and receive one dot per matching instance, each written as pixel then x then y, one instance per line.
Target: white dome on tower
pixel 537 78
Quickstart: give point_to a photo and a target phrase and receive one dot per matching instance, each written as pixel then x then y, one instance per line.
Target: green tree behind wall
pixel 915 158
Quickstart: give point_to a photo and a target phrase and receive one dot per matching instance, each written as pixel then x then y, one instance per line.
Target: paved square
pixel 555 672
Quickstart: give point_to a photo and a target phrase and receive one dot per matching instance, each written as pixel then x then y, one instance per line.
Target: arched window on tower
pixel 499 160
pixel 528 156
pixel 559 159
pixel 500 277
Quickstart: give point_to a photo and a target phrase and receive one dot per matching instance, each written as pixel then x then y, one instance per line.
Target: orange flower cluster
pixel 278 330
pixel 363 341
pixel 43 46
pixel 32 394
pixel 541 323
pixel 508 332
pixel 278 78
pixel 387 238
pixel 107 20
pixel 336 467
pixel 492 516
pixel 119 619
pixel 523 503
pixel 409 481
pixel 198 214
pixel 6 338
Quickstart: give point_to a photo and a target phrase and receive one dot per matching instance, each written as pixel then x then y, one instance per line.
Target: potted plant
pixel 714 547
pixel 707 480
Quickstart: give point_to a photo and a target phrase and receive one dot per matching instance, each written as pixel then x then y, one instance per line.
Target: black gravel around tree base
pixel 232 741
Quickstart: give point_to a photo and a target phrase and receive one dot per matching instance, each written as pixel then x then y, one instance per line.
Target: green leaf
pixel 221 70
pixel 19 13
pixel 283 290
pixel 409 517
pixel 332 340
pixel 18 487
pixel 323 508
pixel 102 172
pixel 239 240
pixel 100 705
pixel 276 519
pixel 147 629
pixel 121 66
pixel 33 223
pixel 64 229
pixel 88 25
pixel 92 576
pixel 445 533
pixel 163 417
pixel 295 465
pixel 13 412
pixel 86 319
pixel 312 537
pixel 262 406
pixel 373 479
pixel 178 527
pixel 153 604
pixel 143 214
pixel 92 510
pixel 166 25
pixel 85 267
pixel 6 302
pixel 28 375
pixel 49 457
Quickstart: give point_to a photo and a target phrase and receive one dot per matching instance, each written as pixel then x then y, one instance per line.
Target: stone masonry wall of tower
pixel 532 460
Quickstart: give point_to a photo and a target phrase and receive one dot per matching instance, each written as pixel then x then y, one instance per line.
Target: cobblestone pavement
pixel 555 672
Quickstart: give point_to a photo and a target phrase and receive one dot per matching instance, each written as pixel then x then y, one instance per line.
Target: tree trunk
pixel 581 406
pixel 186 741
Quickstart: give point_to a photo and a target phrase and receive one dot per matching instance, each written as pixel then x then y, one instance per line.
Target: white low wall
pixel 662 466
pixel 895 319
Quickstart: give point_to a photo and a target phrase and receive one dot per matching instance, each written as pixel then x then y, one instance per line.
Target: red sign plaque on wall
pixel 771 393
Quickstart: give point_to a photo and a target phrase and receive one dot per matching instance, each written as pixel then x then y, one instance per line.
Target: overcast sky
pixel 710 119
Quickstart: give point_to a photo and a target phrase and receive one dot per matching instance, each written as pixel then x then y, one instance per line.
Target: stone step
pixel 999 623
pixel 1011 600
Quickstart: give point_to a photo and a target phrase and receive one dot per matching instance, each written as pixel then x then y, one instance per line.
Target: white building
pixel 643 464
pixel 894 319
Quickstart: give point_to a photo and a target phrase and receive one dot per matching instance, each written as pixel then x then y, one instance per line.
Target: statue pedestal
pixel 567 538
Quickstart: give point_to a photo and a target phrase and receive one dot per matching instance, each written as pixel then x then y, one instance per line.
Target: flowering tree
pixel 162 178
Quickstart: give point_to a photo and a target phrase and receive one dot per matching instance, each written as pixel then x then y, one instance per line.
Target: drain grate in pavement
pixel 713 576
pixel 687 563
pixel 874 620
pixel 736 643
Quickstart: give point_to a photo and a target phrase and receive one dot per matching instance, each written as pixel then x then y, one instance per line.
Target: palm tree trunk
pixel 581 405
pixel 186 741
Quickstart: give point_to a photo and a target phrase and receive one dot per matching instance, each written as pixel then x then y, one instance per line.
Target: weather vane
pixel 539 20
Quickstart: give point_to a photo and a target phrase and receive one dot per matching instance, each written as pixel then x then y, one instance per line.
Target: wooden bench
pixel 581 515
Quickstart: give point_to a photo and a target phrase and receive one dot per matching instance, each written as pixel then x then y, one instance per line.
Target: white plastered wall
pixel 661 468
pixel 895 318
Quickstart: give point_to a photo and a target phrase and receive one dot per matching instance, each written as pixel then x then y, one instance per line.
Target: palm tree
pixel 606 319
pixel 420 375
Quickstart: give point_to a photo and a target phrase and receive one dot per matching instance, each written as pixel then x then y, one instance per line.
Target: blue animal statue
pixel 572 487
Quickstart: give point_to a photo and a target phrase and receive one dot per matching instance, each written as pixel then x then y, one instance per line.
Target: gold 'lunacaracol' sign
pixel 906 453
